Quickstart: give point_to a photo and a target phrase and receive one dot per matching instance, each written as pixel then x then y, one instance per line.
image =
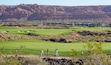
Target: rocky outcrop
pixel 81 36
pixel 62 61
pixel 43 12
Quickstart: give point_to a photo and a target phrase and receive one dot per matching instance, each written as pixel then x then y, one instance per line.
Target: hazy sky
pixel 57 2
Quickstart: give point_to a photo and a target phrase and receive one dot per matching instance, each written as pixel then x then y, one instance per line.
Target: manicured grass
pixel 14 30
pixel 34 47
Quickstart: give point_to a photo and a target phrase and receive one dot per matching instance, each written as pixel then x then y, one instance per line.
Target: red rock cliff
pixel 42 12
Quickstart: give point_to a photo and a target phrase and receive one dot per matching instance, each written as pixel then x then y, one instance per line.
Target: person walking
pixel 56 53
pixel 47 52
pixel 82 53
pixel 16 52
pixel 42 53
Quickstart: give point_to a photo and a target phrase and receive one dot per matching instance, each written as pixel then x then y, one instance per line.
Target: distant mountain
pixel 44 12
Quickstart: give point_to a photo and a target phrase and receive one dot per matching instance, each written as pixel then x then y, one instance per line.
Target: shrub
pixel 95 54
pixel 28 60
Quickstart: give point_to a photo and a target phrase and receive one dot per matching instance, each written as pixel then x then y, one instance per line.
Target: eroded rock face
pixel 42 12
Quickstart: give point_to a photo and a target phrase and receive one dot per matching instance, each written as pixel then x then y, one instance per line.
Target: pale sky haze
pixel 57 2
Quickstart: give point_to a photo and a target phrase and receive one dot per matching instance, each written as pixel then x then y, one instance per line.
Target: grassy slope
pixel 90 28
pixel 34 46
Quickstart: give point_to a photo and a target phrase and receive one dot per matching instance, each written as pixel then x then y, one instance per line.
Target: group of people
pixel 42 52
pixel 55 53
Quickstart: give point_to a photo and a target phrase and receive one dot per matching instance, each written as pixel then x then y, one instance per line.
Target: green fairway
pixel 34 47
pixel 15 30
pixel 21 30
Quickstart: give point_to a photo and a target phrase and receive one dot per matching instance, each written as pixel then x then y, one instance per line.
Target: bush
pixel 29 60
pixel 95 55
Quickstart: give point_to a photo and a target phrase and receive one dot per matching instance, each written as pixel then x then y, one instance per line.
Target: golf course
pixel 35 46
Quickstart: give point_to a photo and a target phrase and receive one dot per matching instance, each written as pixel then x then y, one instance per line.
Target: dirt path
pixel 59 57
pixel 29 56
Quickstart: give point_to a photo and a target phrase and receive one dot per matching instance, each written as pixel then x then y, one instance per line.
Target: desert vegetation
pixel 76 34
pixel 96 55
pixel 21 60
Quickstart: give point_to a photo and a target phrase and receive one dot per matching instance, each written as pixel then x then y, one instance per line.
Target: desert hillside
pixel 43 12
